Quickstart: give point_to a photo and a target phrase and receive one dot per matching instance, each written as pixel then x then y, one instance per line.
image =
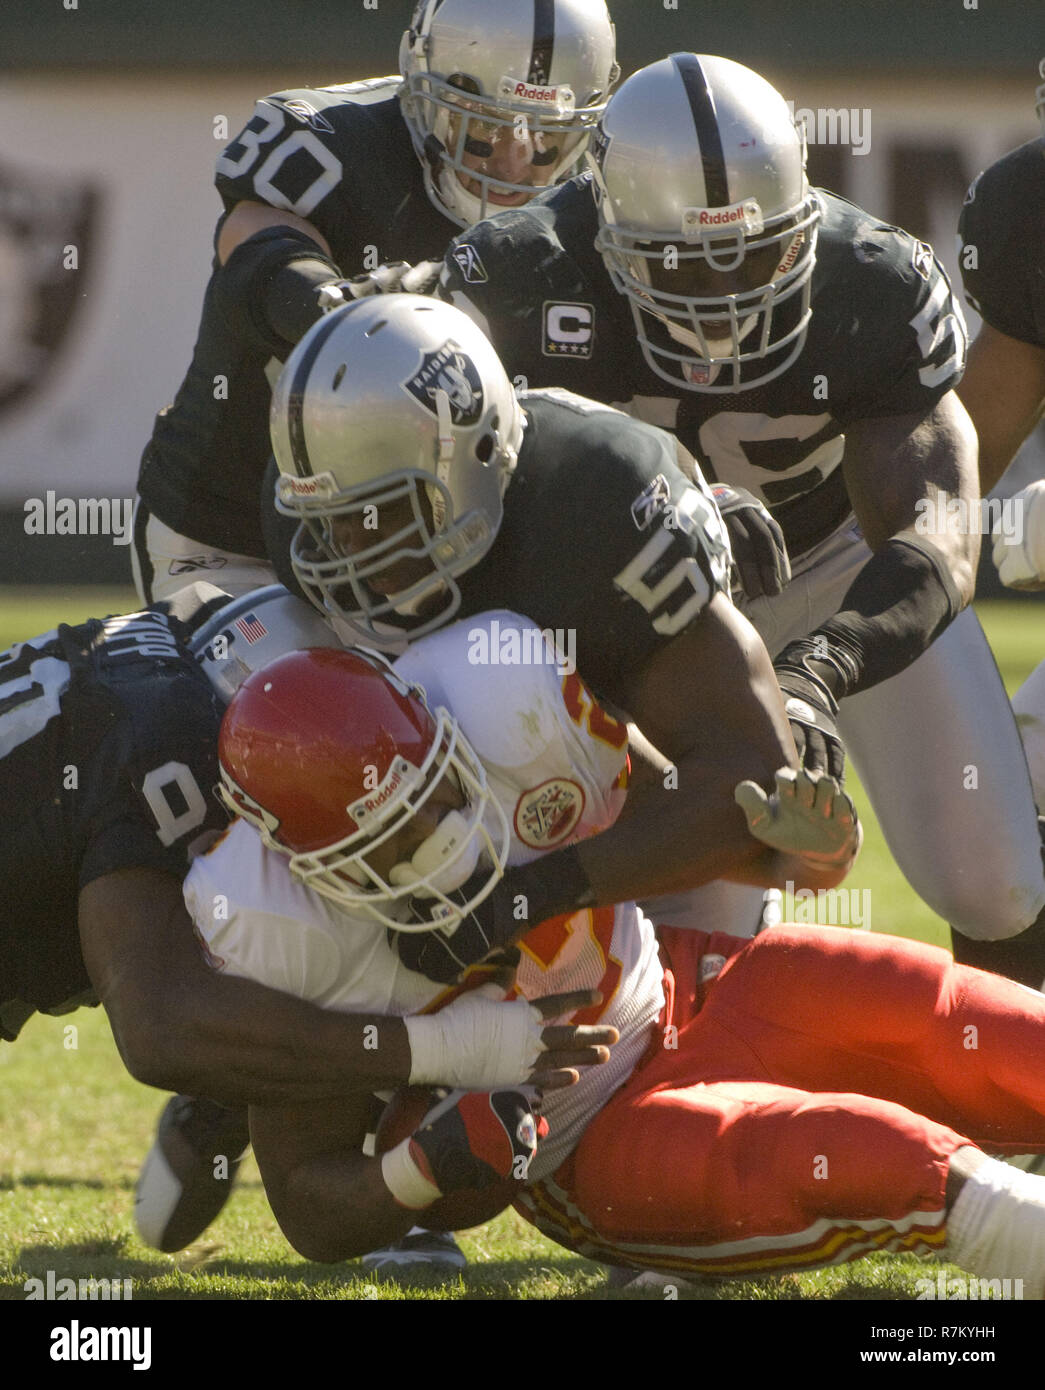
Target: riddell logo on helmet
pixel 718 219
pixel 746 215
pixel 400 776
pixel 536 93
pixel 525 91
pixel 322 485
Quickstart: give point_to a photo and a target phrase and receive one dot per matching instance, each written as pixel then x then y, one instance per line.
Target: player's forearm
pixel 771 869
pixel 682 827
pixel 674 838
pixel 180 1026
pixel 1003 390
pixel 677 839
pixel 241 1043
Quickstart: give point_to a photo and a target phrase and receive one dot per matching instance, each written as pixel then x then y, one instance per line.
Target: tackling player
pixel 801 348
pixel 730 1132
pixel 492 103
pixel 108 757
pixel 426 490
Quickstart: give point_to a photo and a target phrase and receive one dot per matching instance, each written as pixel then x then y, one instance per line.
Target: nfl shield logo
pixel 451 370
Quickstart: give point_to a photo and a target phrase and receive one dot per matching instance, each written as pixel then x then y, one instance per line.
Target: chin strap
pixel 446 427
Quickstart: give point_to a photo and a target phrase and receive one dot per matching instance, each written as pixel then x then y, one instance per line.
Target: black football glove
pixel 812 708
pixel 484 1138
pixel 444 955
pixel 757 542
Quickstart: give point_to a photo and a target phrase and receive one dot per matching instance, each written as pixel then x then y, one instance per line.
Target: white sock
pixel 996 1228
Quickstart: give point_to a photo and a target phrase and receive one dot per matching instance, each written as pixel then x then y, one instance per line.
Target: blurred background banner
pixel 112 113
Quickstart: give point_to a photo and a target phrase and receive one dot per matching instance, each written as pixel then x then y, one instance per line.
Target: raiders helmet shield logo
pixel 43 220
pixel 451 370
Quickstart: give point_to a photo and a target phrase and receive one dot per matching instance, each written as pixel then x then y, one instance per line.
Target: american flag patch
pixel 252 627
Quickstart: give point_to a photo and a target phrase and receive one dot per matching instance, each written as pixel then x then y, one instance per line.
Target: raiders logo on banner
pixel 46 232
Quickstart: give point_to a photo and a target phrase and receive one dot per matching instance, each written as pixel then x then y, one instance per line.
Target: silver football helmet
pixel 252 630
pixel 396 431
pixel 706 221
pixel 500 95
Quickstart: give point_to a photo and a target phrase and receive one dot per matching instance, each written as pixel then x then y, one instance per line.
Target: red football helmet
pixel 332 757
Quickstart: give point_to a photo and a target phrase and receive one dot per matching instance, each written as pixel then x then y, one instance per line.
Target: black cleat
pixel 184 1183
pixel 429 1254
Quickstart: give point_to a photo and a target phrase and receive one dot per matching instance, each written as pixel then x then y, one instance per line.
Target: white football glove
pixel 1021 564
pixel 807 815
pixel 396 277
pixel 480 1043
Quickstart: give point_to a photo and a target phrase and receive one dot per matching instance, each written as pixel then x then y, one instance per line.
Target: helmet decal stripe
pixel 296 394
pixel 543 42
pixel 705 119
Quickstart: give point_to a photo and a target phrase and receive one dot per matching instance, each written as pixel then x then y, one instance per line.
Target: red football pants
pixel 806 1110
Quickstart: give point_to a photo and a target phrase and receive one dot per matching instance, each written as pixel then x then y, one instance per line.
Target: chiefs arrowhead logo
pixel 548 814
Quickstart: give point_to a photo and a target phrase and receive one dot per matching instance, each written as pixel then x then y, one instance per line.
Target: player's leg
pixel 736 1177
pixel 1028 705
pixel 162 561
pixel 708 1161
pixel 188 1177
pixel 939 753
pixel 828 1009
pixel 188 1174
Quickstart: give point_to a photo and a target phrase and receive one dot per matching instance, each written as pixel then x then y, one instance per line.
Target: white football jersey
pixel 556 762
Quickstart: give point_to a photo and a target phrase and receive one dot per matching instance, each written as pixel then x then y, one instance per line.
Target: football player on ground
pixel 108 758
pixel 1002 250
pixel 800 348
pixel 730 1131
pixel 493 102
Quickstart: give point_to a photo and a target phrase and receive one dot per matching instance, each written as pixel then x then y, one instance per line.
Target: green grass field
pixel 74 1128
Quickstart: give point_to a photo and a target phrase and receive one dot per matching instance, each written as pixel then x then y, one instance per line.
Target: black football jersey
pixel 1002 251
pixel 342 158
pixel 609 533
pixel 885 338
pixel 108 760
